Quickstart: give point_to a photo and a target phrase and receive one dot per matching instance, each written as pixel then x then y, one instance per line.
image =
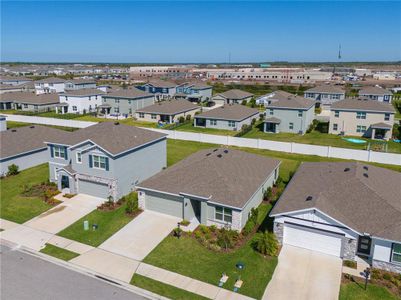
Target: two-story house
pixel 50 85
pixel 80 101
pixel 106 159
pixel 376 93
pixel 76 84
pixel 289 113
pixel 160 88
pixel 325 95
pixel 194 92
pixel 362 117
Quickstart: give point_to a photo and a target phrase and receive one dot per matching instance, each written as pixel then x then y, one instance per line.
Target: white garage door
pixel 165 205
pixel 93 188
pixel 312 239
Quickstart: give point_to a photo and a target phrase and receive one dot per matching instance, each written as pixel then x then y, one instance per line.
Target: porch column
pixel 373 133
pixel 170 119
pixel 203 213
pixel 56 110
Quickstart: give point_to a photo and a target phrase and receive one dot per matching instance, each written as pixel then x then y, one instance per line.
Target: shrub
pixel 268 194
pixel 188 118
pixel 181 119
pixel 213 228
pixel 226 238
pixel 387 276
pixel 265 243
pixel 249 226
pixel 261 117
pixel 198 235
pixel 12 170
pixel 349 264
pixel 253 121
pixel 184 222
pixel 132 202
pixel 177 232
pixel 243 102
pixel 204 229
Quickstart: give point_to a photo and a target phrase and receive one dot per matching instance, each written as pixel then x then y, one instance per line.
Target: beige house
pixel 362 117
pixel 168 111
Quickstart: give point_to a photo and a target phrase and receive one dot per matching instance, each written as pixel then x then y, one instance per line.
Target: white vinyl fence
pixel 49 121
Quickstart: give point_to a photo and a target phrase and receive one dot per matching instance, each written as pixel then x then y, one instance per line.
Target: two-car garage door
pixel 312 239
pixel 164 204
pixel 93 188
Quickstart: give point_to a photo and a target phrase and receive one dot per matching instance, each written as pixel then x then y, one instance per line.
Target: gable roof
pixel 51 80
pixel 131 93
pixel 162 83
pixel 20 140
pixel 373 90
pixel 30 98
pixel 283 99
pixel 329 89
pixel 115 138
pixel 224 176
pixel 83 92
pixel 362 104
pixel 14 78
pixel 366 203
pixel 235 112
pixel 169 107
pixel 235 94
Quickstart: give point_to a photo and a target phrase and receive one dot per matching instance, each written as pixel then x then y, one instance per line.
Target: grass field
pixel 12 124
pixel 59 252
pixel 128 121
pixel 190 128
pixel 356 291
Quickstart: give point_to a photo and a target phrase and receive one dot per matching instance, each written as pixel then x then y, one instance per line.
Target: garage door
pixel 166 205
pixel 312 239
pixel 93 188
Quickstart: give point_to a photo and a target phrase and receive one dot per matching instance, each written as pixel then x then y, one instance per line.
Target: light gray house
pixel 76 84
pixel 194 92
pixel 161 89
pixel 325 95
pixel 24 146
pixel 289 113
pixel 229 117
pixel 345 209
pixel 227 185
pixel 14 80
pixel 28 101
pixel 233 96
pixel 125 101
pixel 106 159
pixel 376 93
pixel 50 85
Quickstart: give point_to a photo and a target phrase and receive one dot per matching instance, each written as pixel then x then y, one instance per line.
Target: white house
pixel 50 85
pixel 80 100
pixel 76 84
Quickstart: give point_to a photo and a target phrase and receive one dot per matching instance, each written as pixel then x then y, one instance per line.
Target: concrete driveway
pixel 138 238
pixel 304 275
pixel 64 214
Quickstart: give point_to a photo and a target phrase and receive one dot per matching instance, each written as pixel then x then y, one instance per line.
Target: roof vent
pixel 13 130
pixel 309 198
pixel 366 175
pixel 225 151
pixel 32 126
pixel 365 168
pixel 346 169
pixel 116 123
pixel 219 156
pixel 208 154
pixel 215 150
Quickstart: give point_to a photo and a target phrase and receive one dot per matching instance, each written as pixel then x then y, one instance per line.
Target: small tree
pixel 188 118
pixel 243 102
pixel 226 238
pixel 181 119
pixel 132 203
pixel 268 194
pixel 265 243
pixel 12 170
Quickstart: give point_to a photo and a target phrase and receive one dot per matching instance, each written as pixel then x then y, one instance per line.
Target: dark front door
pixel 65 182
pixel 197 208
pixel 271 127
pixel 364 244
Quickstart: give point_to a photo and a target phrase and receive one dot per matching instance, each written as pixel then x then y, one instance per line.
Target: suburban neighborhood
pixel 163 170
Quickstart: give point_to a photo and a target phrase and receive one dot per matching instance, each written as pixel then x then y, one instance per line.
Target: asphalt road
pixel 23 276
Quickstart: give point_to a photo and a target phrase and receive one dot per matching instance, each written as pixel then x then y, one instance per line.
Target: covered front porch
pixel 381 131
pixel 104 109
pixel 62 108
pixel 271 125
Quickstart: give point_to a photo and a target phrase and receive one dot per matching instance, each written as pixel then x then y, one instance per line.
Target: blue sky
pixel 200 31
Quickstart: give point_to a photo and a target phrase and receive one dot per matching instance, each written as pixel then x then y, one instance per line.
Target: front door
pixel 364 244
pixel 197 208
pixel 65 182
pixel 271 127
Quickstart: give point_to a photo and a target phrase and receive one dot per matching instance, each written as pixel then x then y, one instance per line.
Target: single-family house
pixel 289 113
pixel 227 185
pixel 233 96
pixel 28 101
pixel 80 101
pixel 194 92
pixel 325 95
pixel 76 84
pixel 106 159
pixel 169 111
pixel 50 85
pixel 376 93
pixel 362 117
pixel 125 101
pixel 162 89
pixel 24 146
pixel 345 209
pixel 229 117
pixel 14 80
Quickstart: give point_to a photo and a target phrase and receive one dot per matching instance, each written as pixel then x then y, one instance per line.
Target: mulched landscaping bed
pixel 45 190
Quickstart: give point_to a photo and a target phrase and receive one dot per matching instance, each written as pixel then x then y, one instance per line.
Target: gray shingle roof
pixel 51 80
pixel 162 83
pixel 366 203
pixel 30 98
pixel 286 100
pixel 111 137
pixel 273 120
pixel 228 178
pixel 84 92
pixel 362 104
pixel 374 90
pixel 169 107
pixel 235 94
pixel 82 81
pixel 329 89
pixel 235 112
pixel 131 93
pixel 29 138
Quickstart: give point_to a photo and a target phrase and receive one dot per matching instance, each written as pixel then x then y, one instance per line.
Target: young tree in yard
pixel 226 238
pixel 243 102
pixel 12 170
pixel 265 243
pixel 132 203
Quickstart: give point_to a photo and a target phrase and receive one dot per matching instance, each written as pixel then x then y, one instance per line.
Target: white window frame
pixel 78 157
pixel 336 114
pixel 57 151
pixel 291 126
pixel 271 112
pixel 213 122
pixel 361 115
pixel 396 253
pixel 386 117
pixel 231 123
pixel 300 113
pixel 153 116
pixel 335 127
pixel 141 115
pixel 360 128
pixel 223 212
pixel 97 163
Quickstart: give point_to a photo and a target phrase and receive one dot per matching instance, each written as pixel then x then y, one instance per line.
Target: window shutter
pixel 51 150
pixel 107 163
pixel 66 153
pixel 90 161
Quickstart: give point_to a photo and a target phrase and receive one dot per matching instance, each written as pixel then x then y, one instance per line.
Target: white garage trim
pixel 313 239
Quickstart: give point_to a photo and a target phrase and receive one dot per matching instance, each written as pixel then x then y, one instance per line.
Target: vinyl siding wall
pixel 126 105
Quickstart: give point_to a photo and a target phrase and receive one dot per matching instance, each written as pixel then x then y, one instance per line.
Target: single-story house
pixel 24 146
pixel 76 84
pixel 125 101
pixel 28 101
pixel 213 187
pixel 167 111
pixel 80 101
pixel 14 80
pixel 162 89
pixel 229 117
pixel 233 96
pixel 194 92
pixel 376 93
pixel 106 159
pixel 289 113
pixel 325 95
pixel 50 85
pixel 345 209
pixel 362 117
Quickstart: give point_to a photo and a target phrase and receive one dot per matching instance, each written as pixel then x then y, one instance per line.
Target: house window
pixel 153 116
pixel 300 113
pixel 224 214
pixel 130 111
pixel 396 253
pixel 336 113
pixel 116 100
pixel 335 127
pixel 361 129
pixel 74 108
pixel 271 112
pixel 116 109
pixel 129 101
pixel 142 115
pixel 386 117
pixel 59 152
pixel 231 123
pixel 213 122
pixel 55 173
pixel 99 162
pixel 25 105
pixel 79 158
pixel 291 126
pixel 360 115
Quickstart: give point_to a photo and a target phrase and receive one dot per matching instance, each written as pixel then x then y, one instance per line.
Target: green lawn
pixel 356 291
pixel 188 257
pixel 109 222
pixel 12 124
pixel 163 289
pixel 128 121
pixel 13 206
pixel 59 252
pixel 190 128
